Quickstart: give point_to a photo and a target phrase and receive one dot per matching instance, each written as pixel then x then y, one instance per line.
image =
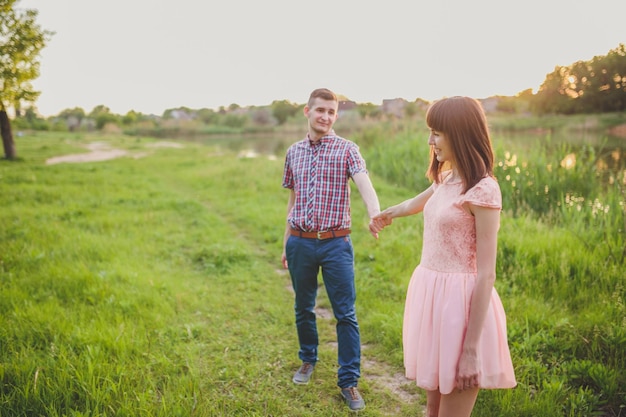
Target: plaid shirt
pixel 319 175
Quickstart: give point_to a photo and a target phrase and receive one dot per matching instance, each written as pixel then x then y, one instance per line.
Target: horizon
pixel 340 99
pixel 150 56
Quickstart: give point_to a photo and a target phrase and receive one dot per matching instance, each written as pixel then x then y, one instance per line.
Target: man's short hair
pixel 323 93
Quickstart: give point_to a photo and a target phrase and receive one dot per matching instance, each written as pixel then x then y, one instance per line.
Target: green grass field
pixel 151 285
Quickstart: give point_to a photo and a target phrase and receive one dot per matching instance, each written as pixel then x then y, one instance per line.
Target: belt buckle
pixel 319 235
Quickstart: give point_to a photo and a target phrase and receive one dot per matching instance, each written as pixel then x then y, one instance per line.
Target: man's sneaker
pixel 303 375
pixel 353 398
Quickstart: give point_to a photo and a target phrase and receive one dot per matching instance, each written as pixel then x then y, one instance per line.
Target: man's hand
pixel 283 259
pixel 375 226
pixel 379 222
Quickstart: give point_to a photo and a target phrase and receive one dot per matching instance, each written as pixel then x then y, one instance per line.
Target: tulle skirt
pixel 435 319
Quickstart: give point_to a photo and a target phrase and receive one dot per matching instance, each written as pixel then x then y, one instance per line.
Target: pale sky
pixel 153 55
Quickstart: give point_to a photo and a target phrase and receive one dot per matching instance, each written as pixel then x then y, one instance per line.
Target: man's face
pixel 322 115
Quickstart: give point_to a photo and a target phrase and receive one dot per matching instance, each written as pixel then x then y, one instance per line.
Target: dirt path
pixel 377 373
pixel 101 151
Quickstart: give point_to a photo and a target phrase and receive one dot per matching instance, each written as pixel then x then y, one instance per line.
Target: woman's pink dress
pixel 440 290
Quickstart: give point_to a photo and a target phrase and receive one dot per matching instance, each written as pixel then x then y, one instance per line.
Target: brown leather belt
pixel 321 235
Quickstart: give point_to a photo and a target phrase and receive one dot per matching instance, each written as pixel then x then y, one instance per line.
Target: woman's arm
pixel 406 208
pixel 487 225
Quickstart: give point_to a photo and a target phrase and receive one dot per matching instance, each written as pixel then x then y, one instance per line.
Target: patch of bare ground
pixel 100 151
pixel 376 372
pixel 381 374
pixel 619 131
pixel 165 144
pixel 249 153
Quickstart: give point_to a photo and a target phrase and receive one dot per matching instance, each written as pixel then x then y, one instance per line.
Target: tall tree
pixel 21 42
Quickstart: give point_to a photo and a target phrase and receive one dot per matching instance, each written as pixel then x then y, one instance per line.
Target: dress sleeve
pixel 485 194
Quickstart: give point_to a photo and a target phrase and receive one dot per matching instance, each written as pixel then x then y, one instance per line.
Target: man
pixel 317 171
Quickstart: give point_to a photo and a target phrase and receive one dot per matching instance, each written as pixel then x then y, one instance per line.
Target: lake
pixel 609 151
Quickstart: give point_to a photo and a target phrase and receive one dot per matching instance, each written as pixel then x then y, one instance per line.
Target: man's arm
pixel 366 189
pixel 290 203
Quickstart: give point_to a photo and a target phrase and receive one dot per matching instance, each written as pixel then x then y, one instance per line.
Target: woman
pixel 454 330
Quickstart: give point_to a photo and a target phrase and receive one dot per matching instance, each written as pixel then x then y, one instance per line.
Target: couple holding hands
pixel 454 327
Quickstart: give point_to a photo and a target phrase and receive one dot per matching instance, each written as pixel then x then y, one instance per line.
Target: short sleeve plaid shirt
pixel 319 175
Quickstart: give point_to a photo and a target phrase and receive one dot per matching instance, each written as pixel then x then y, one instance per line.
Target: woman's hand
pixel 378 223
pixel 467 372
pixel 383 219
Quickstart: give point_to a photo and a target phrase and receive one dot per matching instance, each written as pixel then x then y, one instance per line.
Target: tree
pixel 131 117
pixel 368 110
pixel 410 109
pixel 606 82
pixel 21 41
pixel 73 118
pixel 207 116
pixel 597 85
pixel 102 115
pixel 283 110
pixel 552 95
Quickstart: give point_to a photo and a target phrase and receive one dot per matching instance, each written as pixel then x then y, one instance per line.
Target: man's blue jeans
pixel 335 257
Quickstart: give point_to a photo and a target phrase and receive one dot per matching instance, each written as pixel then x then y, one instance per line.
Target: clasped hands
pixel 379 222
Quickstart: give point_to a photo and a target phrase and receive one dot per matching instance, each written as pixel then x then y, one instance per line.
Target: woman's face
pixel 441 145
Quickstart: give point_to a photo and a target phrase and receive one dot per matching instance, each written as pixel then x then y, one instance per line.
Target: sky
pixel 153 55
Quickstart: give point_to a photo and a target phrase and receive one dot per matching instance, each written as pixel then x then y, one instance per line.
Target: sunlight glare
pixel 569 161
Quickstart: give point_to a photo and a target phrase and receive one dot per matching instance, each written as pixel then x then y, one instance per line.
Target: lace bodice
pixel 449 228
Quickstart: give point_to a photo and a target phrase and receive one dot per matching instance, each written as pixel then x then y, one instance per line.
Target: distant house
pixel 346 105
pixel 180 114
pixel 490 104
pixel 394 106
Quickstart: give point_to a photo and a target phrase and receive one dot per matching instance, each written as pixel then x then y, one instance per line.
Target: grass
pixel 560 269
pixel 151 285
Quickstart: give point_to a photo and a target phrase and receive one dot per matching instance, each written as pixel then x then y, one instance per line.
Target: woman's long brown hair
pixel 463 122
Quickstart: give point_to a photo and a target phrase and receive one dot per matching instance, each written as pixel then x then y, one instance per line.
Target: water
pixel 609 152
pixel 272 145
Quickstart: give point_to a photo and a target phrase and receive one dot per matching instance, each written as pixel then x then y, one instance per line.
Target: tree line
pixel 592 86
